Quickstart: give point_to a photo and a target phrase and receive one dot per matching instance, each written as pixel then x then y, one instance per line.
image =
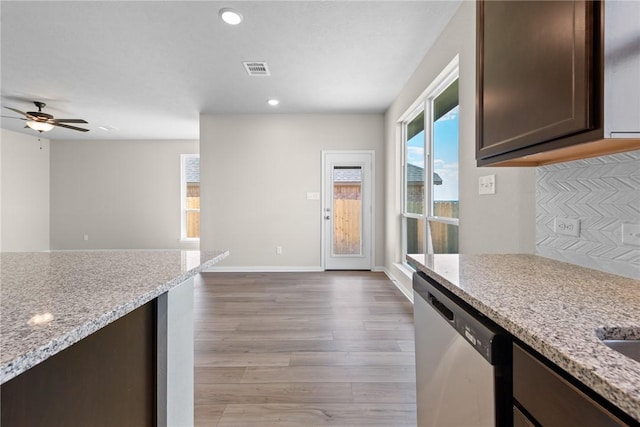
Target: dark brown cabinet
pixel 106 379
pixel 520 419
pixel 544 397
pixel 540 77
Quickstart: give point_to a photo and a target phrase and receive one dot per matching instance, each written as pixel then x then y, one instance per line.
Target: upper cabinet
pixel 557 80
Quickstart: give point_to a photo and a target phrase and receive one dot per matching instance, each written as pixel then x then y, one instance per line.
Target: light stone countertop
pixel 558 309
pixel 51 300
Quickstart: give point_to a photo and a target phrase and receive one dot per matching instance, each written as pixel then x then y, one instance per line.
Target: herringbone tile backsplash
pixel 604 193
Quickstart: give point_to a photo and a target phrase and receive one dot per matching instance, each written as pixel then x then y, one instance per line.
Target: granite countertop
pixel 51 300
pixel 558 309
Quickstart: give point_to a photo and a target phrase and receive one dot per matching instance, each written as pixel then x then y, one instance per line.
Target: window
pixel 414 188
pixel 430 205
pixel 190 196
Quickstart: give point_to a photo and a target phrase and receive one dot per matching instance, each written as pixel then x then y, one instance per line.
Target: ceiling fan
pixel 43 122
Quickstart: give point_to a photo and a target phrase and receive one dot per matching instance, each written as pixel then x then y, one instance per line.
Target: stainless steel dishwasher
pixel 463 362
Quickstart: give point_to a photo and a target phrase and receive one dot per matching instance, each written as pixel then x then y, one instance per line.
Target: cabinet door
pixel 536 73
pixel 552 400
pixel 106 379
pixel 622 44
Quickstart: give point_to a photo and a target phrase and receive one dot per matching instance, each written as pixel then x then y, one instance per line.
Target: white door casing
pixel 347 219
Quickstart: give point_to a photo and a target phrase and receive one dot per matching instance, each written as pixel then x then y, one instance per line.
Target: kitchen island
pixel 69 309
pixel 559 310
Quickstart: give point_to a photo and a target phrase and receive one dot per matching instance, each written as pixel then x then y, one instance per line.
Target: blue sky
pixel 445 154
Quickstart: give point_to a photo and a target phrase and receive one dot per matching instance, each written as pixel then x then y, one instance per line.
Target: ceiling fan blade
pixel 70 127
pixel 17 111
pixel 53 121
pixel 9 117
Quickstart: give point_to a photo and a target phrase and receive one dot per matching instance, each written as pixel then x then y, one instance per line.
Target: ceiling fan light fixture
pixel 230 16
pixel 39 126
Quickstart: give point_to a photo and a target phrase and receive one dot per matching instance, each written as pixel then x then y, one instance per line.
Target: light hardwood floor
pixel 303 349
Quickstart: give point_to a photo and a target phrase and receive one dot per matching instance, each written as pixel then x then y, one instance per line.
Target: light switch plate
pixel 567 226
pixel 631 234
pixel 313 196
pixel 487 184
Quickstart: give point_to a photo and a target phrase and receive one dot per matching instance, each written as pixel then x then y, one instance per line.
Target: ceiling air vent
pixel 256 68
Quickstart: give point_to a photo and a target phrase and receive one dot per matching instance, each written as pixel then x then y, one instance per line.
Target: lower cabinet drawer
pixel 520 419
pixel 551 399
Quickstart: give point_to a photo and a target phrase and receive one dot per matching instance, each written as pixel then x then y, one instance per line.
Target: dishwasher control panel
pixel 481 343
pixel 487 338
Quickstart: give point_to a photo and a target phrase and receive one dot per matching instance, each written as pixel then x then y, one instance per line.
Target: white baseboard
pixel 264 269
pixel 386 271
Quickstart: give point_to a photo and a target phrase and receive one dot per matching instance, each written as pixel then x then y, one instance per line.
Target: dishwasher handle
pixel 441 308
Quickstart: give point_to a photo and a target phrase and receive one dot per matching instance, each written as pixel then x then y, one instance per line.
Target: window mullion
pixel 404 167
pixel 444 220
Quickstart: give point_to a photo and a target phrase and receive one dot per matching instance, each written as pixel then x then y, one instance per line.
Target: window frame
pixel 408 118
pixel 445 83
pixel 424 103
pixel 183 199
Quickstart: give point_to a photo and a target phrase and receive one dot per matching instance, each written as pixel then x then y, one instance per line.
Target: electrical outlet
pixel 487 184
pixel 631 234
pixel 279 250
pixel 86 237
pixel 313 196
pixel 567 226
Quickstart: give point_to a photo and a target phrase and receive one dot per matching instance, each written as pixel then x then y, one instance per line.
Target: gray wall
pixel 499 223
pixel 24 193
pixel 604 193
pixel 255 173
pixel 122 194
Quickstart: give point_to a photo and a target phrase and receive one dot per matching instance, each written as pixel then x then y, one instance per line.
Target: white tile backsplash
pixel 603 192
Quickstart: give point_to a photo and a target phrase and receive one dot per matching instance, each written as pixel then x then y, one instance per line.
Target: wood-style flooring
pixel 303 349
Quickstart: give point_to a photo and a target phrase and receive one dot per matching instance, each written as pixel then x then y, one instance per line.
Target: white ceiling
pixel 149 68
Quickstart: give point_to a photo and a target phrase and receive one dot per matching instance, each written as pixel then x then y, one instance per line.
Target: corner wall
pixel 255 173
pixel 500 223
pixel 122 194
pixel 24 193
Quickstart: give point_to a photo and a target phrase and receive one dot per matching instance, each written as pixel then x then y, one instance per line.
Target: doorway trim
pixel 325 224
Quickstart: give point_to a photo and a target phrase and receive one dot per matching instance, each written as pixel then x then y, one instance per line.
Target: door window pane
pixel 347 210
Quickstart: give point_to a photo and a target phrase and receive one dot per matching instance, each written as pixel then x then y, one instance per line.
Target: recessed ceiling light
pixel 230 16
pixel 273 102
